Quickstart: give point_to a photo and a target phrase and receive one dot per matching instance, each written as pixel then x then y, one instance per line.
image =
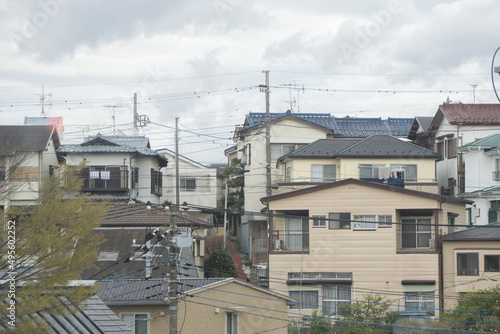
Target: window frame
pixel 486 269
pixel 382 222
pixel 469 266
pixel 360 224
pixel 343 223
pixel 135 314
pixel 232 317
pixel 156 182
pixel 417 232
pixel 302 305
pixel 428 304
pixel 183 183
pixel 320 175
pixel 319 221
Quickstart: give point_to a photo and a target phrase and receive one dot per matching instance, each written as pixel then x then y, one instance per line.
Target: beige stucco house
pixel 204 306
pixel 378 158
pixel 333 243
pixel 471 260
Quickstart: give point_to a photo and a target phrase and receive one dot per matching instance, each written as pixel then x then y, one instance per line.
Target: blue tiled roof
pixel 341 127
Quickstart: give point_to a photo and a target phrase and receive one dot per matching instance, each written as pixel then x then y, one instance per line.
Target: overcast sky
pixel 202 61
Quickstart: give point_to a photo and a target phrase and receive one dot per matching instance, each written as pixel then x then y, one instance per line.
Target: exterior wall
pixel 206 311
pixel 371 256
pixel 349 168
pixel 282 132
pixel 206 193
pixel 448 168
pixel 453 283
pixel 144 163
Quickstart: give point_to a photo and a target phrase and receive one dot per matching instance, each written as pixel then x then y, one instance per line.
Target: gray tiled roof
pixel 93 316
pixel 114 144
pixel 483 232
pixel 146 292
pixel 340 127
pixel 26 138
pixel 376 146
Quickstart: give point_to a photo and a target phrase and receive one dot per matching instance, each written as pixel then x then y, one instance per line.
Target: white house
pixel 456 125
pixel 119 167
pixel 200 186
pixel 27 155
pixel 481 159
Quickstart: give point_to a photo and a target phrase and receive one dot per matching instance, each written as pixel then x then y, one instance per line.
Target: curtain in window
pixel 316 173
pixel 293 234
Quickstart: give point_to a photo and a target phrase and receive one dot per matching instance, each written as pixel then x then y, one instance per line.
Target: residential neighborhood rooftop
pixel 26 138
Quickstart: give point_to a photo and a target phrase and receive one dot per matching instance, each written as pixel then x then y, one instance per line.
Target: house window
pixel 319 221
pixel 405 172
pixel 467 264
pixel 323 173
pixel 451 222
pixel 451 148
pixel 188 184
pixel 420 301
pixel 493 211
pixel 137 322
pixel 385 221
pixel 440 149
pixel 492 263
pixel 156 182
pixel 231 323
pixel 135 178
pixel 279 150
pixel 296 234
pixel 340 220
pixel 367 171
pixel 364 222
pixel 2 174
pixel 496 171
pixel 334 297
pixel 113 178
pixel 307 298
pixel 416 233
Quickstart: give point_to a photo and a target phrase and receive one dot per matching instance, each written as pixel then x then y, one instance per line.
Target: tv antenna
pixel 113 117
pixel 42 100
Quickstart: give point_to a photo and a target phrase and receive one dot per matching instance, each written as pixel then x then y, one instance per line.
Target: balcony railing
pixel 290 241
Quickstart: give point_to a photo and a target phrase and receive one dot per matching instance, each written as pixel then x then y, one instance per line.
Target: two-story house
pixel 119 167
pixel 27 156
pixel 456 125
pixel 288 132
pixel 471 261
pixel 481 159
pixel 378 158
pixel 333 243
pixel 199 185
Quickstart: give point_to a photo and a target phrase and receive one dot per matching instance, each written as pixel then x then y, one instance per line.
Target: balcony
pixel 105 179
pixel 290 241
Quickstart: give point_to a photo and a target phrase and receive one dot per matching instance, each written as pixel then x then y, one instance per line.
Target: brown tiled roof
pixel 138 214
pixel 26 138
pixel 474 114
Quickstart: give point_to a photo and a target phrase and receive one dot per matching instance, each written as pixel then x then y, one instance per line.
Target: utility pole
pixel 42 100
pixel 113 117
pixel 135 114
pixel 268 136
pixel 474 86
pixel 172 283
pixel 177 200
pixel 225 216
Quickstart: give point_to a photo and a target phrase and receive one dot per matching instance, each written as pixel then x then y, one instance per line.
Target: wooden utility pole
pixel 268 136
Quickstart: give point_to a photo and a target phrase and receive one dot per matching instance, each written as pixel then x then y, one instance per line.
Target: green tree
pixel 235 183
pixel 320 323
pixel 370 314
pixel 475 311
pixel 220 264
pixel 53 245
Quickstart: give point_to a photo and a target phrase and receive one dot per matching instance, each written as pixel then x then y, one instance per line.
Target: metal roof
pixel 339 127
pixel 489 142
pixel 473 114
pixel 483 232
pixel 93 316
pixel 376 146
pixel 146 292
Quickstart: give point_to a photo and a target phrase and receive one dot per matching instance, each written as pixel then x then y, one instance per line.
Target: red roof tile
pixel 476 114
